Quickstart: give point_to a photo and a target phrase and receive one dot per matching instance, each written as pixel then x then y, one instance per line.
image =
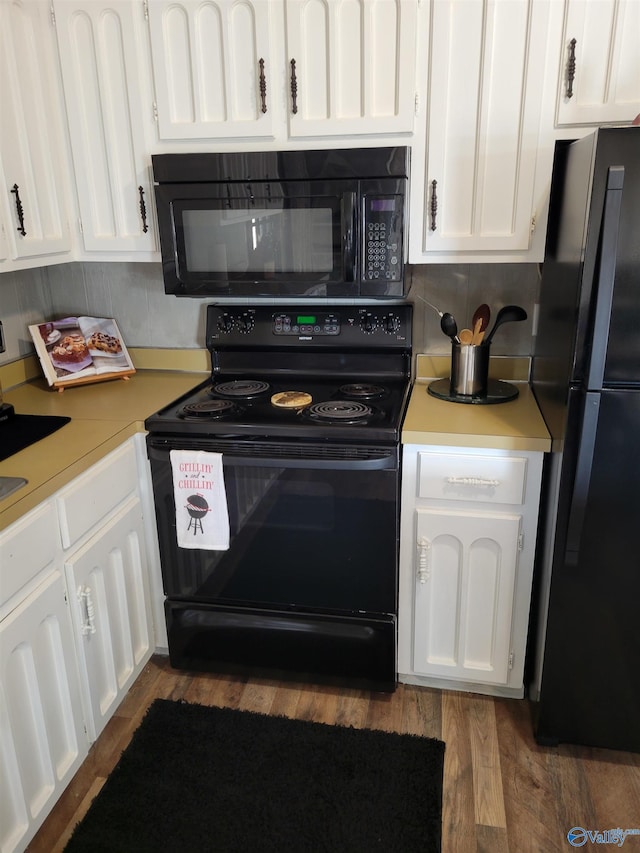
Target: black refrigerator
pixel 584 660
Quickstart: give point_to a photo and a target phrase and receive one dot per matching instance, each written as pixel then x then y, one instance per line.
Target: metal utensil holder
pixel 469 369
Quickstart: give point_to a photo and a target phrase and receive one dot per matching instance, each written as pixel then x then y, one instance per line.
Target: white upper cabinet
pixel 103 53
pixel 213 70
pixel 599 79
pixel 32 143
pixel 279 69
pixel 351 66
pixel 473 182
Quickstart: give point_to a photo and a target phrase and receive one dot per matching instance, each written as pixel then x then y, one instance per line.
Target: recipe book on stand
pixel 79 350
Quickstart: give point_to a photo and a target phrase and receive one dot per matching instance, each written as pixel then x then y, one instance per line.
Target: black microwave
pixel 327 223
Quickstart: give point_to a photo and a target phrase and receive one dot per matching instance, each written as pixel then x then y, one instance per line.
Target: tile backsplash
pixel 459 289
pixel 133 293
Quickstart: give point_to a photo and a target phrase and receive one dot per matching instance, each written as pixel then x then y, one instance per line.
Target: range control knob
pixel 225 323
pixel 368 323
pixel 245 322
pixel 391 323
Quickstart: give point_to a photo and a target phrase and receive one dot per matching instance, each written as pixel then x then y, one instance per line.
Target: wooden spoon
pixel 466 336
pixel 480 321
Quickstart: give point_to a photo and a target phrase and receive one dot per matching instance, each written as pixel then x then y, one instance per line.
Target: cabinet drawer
pixel 27 547
pixel 466 477
pixel 94 494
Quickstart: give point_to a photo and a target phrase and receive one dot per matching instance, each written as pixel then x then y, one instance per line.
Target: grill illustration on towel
pixel 197 507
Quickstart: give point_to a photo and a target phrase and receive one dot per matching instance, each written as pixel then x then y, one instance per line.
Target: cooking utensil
pixel 479 322
pixel 508 314
pixel 449 326
pixel 466 337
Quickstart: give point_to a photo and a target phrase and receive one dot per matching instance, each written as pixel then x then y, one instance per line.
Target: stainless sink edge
pixel 9 485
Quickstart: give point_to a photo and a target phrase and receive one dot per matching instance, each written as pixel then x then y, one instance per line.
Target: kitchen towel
pixel 202 518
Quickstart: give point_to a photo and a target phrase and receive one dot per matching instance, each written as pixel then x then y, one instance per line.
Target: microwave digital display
pixel 382 204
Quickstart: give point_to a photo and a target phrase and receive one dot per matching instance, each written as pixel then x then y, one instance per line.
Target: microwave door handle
pixel 348 214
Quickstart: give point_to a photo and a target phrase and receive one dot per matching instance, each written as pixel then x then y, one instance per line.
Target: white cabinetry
pixel 474 192
pixel 33 157
pixel 42 738
pixel 211 61
pixel 351 66
pixel 104 57
pixel 107 577
pixel 108 584
pixel 76 629
pixel 599 79
pixel 468 531
pixel 284 69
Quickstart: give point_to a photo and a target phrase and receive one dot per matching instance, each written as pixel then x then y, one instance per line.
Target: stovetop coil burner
pixel 341 411
pixel 209 409
pixel 363 390
pixel 246 389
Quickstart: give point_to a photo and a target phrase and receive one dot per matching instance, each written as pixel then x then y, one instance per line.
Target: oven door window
pixel 301 538
pixel 263 234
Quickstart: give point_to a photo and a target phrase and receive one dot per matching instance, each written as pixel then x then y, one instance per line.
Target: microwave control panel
pixel 382 238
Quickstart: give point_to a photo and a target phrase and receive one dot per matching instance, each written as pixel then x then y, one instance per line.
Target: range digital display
pixel 306 320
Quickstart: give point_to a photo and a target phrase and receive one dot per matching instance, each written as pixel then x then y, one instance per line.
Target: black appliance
pixel 305 405
pixel 586 378
pixel 283 223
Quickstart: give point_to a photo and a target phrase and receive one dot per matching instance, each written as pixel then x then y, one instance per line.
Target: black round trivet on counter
pixel 497 392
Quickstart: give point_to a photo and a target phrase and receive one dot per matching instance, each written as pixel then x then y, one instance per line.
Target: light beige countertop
pixel 103 415
pixel 513 425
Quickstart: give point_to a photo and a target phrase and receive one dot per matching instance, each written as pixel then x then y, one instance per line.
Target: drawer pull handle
pixel 84 597
pixel 472 481
pixel 424 560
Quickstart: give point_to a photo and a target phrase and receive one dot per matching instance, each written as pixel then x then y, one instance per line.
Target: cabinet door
pixel 213 70
pixel 32 148
pixel 464 594
pixel 474 192
pixel 107 580
pixel 42 739
pixel 100 45
pixel 351 66
pixel 600 67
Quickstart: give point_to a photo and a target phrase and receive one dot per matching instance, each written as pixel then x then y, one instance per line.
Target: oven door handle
pixel 363 458
pixel 378 463
pixel 348 213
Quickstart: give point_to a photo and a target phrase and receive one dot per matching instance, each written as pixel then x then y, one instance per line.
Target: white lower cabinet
pixel 108 587
pixel 42 738
pixel 76 629
pixel 468 531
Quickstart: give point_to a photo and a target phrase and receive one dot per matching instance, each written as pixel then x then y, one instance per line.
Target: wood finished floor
pixel 502 792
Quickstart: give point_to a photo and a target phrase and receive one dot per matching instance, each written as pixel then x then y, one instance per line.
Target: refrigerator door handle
pixel 582 479
pixel 606 274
